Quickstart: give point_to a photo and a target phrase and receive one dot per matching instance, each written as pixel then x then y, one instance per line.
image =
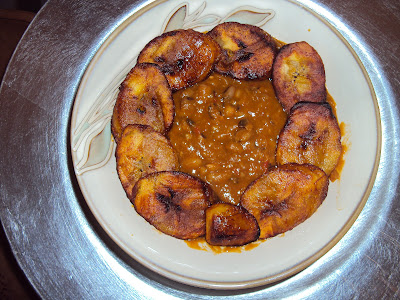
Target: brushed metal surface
pixel 55 238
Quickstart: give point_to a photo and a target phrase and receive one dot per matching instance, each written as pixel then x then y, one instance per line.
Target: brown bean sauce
pixel 225 132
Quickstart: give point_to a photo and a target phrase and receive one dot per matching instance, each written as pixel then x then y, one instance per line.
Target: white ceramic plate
pixel 275 258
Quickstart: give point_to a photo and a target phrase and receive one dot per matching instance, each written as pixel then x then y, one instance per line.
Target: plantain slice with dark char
pixel 185 56
pixel 311 135
pixel 298 75
pixel 248 52
pixel 140 151
pixel 173 202
pixel 230 225
pixel 285 196
pixel 144 98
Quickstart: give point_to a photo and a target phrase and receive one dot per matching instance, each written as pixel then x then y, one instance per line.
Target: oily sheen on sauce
pixel 225 132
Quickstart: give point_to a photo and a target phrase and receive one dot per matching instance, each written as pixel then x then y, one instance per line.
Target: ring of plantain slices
pixel 230 225
pixel 185 207
pixel 311 135
pixel 185 56
pixel 285 196
pixel 140 151
pixel 298 75
pixel 173 202
pixel 144 98
pixel 248 52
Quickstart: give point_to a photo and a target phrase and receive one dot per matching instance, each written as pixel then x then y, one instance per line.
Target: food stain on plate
pixel 201 244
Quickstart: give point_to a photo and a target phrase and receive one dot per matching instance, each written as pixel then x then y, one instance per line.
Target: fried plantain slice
pixel 248 52
pixel 298 74
pixel 185 56
pixel 173 202
pixel 144 98
pixel 141 151
pixel 285 196
pixel 230 225
pixel 311 135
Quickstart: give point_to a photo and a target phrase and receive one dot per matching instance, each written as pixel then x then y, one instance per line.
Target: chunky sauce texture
pixel 225 132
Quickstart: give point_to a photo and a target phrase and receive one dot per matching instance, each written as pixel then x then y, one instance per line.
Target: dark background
pixel 27 5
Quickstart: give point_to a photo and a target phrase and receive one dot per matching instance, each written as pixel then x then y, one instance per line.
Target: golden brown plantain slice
pixel 311 135
pixel 173 202
pixel 298 74
pixel 285 196
pixel 248 52
pixel 141 151
pixel 185 56
pixel 144 98
pixel 230 225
